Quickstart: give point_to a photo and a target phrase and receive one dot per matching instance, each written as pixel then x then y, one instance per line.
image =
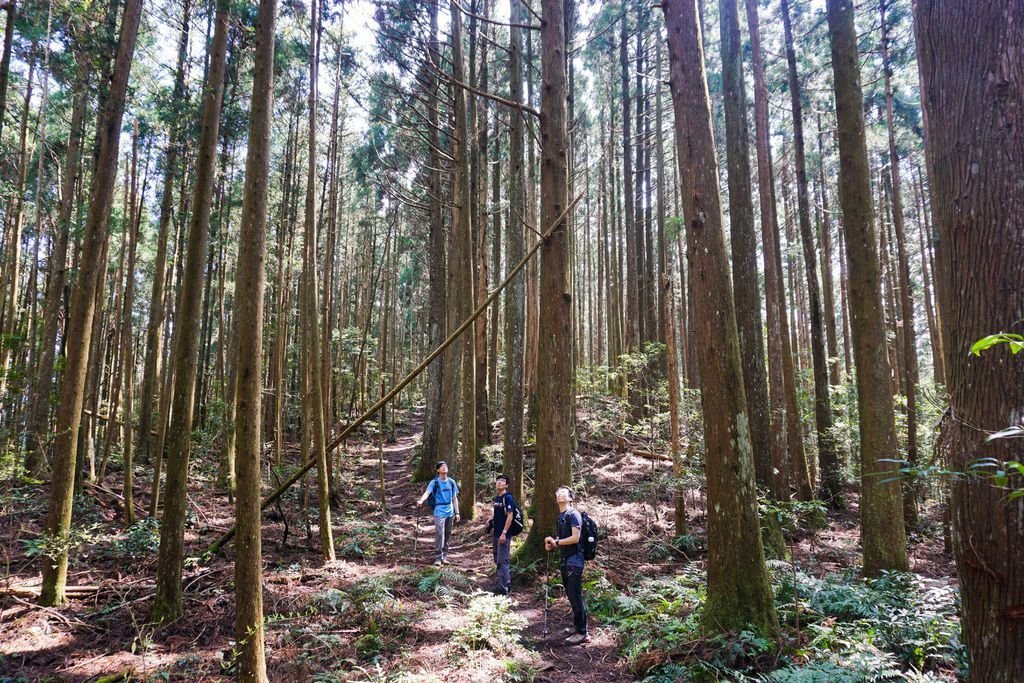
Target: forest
pixel 294 296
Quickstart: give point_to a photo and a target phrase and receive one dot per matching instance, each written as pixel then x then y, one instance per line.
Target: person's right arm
pixel 426 494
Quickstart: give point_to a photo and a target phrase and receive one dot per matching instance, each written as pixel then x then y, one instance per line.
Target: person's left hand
pixel 501 539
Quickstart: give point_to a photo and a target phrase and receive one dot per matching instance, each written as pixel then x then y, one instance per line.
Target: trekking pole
pixel 414 518
pixel 547 568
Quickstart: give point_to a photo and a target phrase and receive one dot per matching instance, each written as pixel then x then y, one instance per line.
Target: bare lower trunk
pixel 515 297
pixel 882 533
pixel 39 407
pixel 744 242
pixel 69 412
pixel 739 594
pixel 250 277
pixel 555 376
pixel 831 475
pixel 775 305
pixel 168 603
pixel 970 52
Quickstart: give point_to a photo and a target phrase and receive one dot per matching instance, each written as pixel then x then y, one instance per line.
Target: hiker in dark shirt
pixel 571 562
pixel 501 544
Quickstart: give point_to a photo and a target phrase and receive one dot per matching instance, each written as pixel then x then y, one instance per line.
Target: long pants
pixel 572 579
pixel 502 553
pixel 442 534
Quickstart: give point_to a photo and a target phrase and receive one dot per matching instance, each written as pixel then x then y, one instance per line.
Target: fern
pixel 491 625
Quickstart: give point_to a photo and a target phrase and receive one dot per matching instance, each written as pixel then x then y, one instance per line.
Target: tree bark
pixel 515 296
pixel 39 406
pixel 462 267
pixel 250 277
pixel 313 429
pixel 970 52
pixel 555 376
pixel 739 594
pixel 632 314
pixel 828 296
pixel 5 60
pixel 69 412
pixel 775 305
pixel 831 489
pixel 127 358
pixel 168 603
pixel 909 350
pixel 882 533
pixel 744 241
pixel 152 370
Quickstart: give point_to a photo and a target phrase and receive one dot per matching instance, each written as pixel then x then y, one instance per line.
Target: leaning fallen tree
pixel 355 424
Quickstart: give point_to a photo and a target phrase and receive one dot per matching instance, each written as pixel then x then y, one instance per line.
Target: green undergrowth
pixel 362 537
pixel 493 626
pixel 836 629
pixel 371 609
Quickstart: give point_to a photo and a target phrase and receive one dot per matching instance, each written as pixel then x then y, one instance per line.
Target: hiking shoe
pixel 577 638
pixel 501 591
pixel 438 563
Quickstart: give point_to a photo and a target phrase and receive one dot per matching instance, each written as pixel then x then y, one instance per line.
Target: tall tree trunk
pixel 69 412
pixel 744 241
pixel 462 265
pixel 938 369
pixel 250 277
pixel 680 525
pixel 5 60
pixel 828 296
pixel 882 533
pixel 152 370
pixel 555 376
pixel 126 372
pixel 775 305
pixel 39 406
pixel 532 270
pixel 495 208
pixel 313 430
pixel 738 591
pixel 483 425
pixel 640 225
pixel 168 603
pixel 831 489
pixel 909 350
pixel 10 276
pixel 928 266
pixel 515 296
pixel 632 313
pixel 436 424
pixel 976 170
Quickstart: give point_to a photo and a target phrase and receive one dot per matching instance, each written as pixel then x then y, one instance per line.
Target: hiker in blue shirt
pixel 446 510
pixel 501 544
pixel 570 524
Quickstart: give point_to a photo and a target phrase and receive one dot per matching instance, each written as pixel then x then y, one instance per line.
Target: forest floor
pixel 381 611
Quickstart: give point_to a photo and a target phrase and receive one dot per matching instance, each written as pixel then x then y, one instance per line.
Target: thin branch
pixel 529 27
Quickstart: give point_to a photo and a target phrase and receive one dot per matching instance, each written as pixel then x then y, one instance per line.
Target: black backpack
pixel 588 536
pixel 516 527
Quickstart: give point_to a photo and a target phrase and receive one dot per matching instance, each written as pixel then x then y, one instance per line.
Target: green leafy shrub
pixel 362 539
pixel 491 625
pixel 140 540
pixel 913 620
